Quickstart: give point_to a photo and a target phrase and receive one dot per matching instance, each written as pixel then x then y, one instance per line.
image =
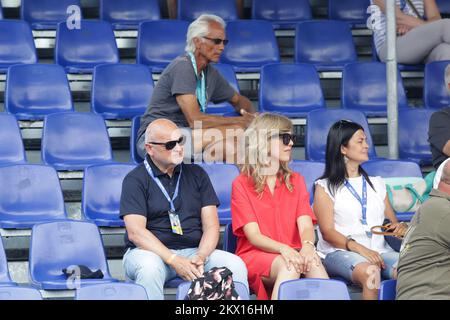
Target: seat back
pixel 364 88
pixel 19 293
pixel 282 13
pixel 16 44
pixel 252 45
pixel 46 14
pixel 4 273
pixel 413 135
pixel 121 91
pixel 229 239
pixel 35 90
pixel 228 73
pixel 127 14
pixel 222 176
pixel 318 124
pixel 435 93
pixel 313 289
pixel 240 288
pixel 190 10
pixel 444 6
pixel 112 291
pixel 33 195
pixel 11 144
pixel 94 42
pixel 75 140
pixel 311 171
pixel 353 11
pixel 159 42
pixel 291 89
pixel 102 187
pixel 392 168
pixel 387 290
pixel 135 125
pixel 325 43
pixel 55 246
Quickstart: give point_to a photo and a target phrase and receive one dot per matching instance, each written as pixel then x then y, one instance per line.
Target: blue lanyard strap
pixel 200 92
pixel 362 201
pixel 163 190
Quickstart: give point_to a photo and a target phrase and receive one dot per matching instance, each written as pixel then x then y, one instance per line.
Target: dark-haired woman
pixel 347 203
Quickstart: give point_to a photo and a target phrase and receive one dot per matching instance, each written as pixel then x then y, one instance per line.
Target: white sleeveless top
pixel 348 214
pixel 377 19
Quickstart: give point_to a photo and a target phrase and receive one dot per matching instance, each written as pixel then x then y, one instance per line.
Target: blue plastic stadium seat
pixel 55 246
pixel 159 42
pixel 35 90
pixel 444 6
pixel 318 124
pixel 241 289
pixel 128 14
pixel 311 171
pixel 102 187
pixel 33 195
pixel 392 168
pixel 435 93
pixel 11 145
pixel 227 71
pixel 19 293
pixel 121 91
pixel 283 14
pixel 74 140
pixel 135 125
pixel 16 44
pixel 252 45
pixel 229 239
pixel 112 291
pixel 364 88
pixel 190 10
pixel 313 289
pixel 328 44
pixel 46 14
pixel 290 89
pixel 5 279
pixel 351 11
pixel 222 176
pixel 388 290
pixel 413 135
pixel 94 42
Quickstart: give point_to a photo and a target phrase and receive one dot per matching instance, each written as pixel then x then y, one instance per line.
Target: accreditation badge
pixel 175 223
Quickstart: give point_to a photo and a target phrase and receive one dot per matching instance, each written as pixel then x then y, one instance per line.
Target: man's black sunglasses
pixel 287 137
pixel 218 41
pixel 170 144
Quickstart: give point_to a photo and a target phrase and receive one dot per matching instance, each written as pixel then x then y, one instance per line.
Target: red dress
pixel 276 216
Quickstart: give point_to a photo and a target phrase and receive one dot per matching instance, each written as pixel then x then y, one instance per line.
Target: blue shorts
pixel 342 263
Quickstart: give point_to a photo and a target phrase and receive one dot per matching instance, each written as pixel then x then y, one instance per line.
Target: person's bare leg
pixel 172 8
pixel 240 8
pixel 317 271
pixel 279 273
pixel 368 277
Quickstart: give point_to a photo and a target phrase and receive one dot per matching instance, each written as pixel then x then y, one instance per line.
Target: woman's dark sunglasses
pixel 170 144
pixel 287 137
pixel 217 41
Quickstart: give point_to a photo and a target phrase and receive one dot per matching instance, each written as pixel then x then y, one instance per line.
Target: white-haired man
pixel 188 84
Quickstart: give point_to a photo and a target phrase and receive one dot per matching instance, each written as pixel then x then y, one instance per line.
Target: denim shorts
pixel 342 263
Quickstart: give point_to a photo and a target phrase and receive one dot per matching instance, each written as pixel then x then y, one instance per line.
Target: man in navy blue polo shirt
pixel 170 213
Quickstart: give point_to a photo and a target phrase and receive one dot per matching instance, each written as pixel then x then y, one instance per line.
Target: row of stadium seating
pixel 122 91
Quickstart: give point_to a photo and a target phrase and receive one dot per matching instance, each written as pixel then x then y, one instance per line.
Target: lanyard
pixel 163 190
pixel 200 92
pixel 362 201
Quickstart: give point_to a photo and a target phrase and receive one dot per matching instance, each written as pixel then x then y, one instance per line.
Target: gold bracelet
pixel 310 242
pixel 169 261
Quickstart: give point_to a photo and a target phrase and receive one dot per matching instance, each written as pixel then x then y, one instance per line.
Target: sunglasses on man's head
pixel 287 137
pixel 170 144
pixel 217 41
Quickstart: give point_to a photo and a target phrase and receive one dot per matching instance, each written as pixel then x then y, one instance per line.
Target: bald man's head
pixel 160 130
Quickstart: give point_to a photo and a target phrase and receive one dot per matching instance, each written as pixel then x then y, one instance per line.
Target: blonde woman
pixel 271 215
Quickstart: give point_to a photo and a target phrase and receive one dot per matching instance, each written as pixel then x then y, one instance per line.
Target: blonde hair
pixel 257 149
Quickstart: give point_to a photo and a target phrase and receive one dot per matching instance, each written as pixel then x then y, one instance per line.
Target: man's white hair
pixel 200 28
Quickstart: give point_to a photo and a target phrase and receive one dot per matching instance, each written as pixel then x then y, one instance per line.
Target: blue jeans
pixel 342 263
pixel 149 270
